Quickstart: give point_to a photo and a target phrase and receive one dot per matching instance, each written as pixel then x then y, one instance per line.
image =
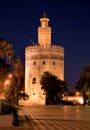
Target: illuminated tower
pixel 44 31
pixel 40 58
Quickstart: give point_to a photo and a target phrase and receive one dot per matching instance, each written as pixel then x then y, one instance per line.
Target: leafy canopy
pixel 5 69
pixel 53 87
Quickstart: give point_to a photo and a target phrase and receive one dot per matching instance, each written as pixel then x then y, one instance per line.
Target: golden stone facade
pixel 40 58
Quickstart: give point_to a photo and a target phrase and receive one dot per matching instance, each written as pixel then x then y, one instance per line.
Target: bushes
pixel 66 102
pixel 3 107
pixel 6 108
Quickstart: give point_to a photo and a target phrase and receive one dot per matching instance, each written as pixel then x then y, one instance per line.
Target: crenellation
pixel 46 46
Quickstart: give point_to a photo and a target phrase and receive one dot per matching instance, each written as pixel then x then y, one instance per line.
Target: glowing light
pixel 10 75
pixel 81 100
pixel 88 93
pixel 77 93
pixel 75 99
pixel 7 82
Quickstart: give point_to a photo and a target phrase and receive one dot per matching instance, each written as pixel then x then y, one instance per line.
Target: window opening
pixel 34 80
pixel 43 62
pixel 53 63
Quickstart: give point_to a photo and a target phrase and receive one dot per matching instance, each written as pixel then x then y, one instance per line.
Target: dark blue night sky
pixel 70 22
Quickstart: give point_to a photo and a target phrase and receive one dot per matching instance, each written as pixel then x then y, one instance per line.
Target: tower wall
pixel 38 60
pixel 44 35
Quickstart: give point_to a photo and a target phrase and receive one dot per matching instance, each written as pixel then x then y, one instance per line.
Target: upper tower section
pixel 44 31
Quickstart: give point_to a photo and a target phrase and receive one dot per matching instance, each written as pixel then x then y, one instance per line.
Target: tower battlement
pixel 46 47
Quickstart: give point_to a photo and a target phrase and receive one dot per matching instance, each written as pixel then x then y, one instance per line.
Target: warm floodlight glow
pixel 7 82
pixel 10 75
pixel 74 99
pixel 78 99
pixel 88 93
pixel 81 100
pixel 77 93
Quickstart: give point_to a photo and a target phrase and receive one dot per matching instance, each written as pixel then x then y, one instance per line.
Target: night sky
pixel 70 23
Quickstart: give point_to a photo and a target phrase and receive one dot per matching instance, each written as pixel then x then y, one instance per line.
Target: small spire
pixel 44 15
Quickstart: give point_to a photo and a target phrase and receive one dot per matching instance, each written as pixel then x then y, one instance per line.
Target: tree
pixel 2 47
pixel 83 84
pixel 9 52
pixel 12 93
pixel 53 87
pixel 5 69
pixel 18 71
pixel 16 61
pixel 6 50
pixel 12 96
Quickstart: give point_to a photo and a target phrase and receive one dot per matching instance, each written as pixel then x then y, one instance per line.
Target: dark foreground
pixel 52 118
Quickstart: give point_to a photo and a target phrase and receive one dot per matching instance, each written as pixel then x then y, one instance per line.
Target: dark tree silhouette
pixel 53 87
pixel 83 85
pixel 5 69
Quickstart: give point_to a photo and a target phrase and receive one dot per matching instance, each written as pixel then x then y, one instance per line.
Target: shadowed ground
pixel 52 118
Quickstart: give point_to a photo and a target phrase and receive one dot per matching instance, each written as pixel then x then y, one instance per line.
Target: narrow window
pixel 53 63
pixel 43 62
pixel 34 63
pixel 34 80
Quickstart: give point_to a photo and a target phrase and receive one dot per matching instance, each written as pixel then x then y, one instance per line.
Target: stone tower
pixel 40 58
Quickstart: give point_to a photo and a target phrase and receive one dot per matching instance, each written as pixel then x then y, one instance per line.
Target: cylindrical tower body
pixel 38 60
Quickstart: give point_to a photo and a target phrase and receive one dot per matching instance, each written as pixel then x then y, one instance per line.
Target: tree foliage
pixel 5 69
pixel 6 50
pixel 12 93
pixel 83 84
pixel 6 57
pixel 53 87
pixel 18 71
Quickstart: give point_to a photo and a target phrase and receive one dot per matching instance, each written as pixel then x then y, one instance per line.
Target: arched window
pixel 34 80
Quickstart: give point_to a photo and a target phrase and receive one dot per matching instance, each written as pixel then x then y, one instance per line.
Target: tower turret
pixel 44 31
